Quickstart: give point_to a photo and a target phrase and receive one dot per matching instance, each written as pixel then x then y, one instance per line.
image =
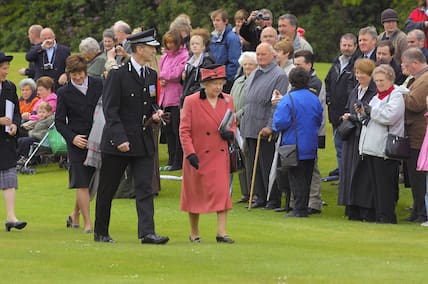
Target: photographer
pixel 262 18
pixel 49 58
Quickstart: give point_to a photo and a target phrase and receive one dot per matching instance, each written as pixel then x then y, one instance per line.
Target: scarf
pixel 384 94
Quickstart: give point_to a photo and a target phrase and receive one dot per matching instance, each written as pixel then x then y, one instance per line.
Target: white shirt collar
pixel 136 66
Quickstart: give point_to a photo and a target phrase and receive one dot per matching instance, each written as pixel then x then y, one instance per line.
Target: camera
pixel 48 66
pixel 260 16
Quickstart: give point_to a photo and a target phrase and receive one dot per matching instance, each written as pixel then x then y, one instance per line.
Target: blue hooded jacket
pixel 226 51
pixel 308 111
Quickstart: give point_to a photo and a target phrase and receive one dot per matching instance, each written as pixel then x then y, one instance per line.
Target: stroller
pixel 51 144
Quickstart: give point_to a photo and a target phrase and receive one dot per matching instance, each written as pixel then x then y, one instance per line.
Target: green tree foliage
pixel 324 21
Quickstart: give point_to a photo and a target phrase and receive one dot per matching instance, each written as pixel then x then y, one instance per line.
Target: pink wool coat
pixel 423 153
pixel 205 190
pixel 171 66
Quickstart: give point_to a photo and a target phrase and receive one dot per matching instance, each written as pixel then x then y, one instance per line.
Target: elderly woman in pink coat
pixel 206 169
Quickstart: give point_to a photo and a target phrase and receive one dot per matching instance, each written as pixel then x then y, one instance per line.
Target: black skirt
pixel 80 175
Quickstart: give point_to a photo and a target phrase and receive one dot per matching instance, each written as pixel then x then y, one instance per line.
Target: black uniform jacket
pixel 74 114
pixel 128 102
pixel 7 142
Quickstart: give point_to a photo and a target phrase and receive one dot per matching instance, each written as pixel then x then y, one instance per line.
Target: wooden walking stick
pixel 253 177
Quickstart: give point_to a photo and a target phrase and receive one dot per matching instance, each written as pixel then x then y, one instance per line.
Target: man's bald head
pixel 264 53
pixel 269 35
pixel 47 33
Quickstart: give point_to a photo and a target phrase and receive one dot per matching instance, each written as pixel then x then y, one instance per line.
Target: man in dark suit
pixel 130 107
pixel 367 39
pixel 49 58
pixel 34 38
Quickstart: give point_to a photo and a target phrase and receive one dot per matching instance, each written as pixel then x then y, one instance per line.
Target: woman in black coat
pixel 73 119
pixel 358 205
pixel 199 42
pixel 9 122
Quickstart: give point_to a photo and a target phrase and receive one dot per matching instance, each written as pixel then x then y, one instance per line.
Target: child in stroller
pixel 37 130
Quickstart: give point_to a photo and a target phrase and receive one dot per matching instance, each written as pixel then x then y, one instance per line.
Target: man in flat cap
pixel 130 109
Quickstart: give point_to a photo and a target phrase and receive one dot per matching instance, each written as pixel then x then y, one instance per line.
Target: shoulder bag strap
pixel 293 114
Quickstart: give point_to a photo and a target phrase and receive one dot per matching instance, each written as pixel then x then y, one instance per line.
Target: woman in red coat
pixel 206 169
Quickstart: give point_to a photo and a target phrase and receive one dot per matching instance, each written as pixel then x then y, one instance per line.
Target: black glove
pixel 227 135
pixel 166 116
pixel 193 159
pixel 367 109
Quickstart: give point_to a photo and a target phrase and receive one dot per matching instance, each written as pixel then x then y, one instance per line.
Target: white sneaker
pixel 424 224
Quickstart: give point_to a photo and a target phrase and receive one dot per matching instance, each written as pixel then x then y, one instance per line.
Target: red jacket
pixel 416 20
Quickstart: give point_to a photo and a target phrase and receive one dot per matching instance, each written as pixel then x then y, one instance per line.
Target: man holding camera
pixel 49 58
pixel 262 18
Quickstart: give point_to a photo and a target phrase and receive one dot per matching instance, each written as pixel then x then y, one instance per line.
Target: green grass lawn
pixel 324 248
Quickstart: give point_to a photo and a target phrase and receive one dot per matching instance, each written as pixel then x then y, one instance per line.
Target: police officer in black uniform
pixel 130 107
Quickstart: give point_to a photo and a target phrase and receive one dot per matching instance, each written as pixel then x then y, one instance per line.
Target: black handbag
pixel 236 157
pixel 345 129
pixel 397 147
pixel 289 154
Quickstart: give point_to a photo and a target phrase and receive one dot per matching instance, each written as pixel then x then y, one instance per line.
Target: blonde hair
pixel 45 106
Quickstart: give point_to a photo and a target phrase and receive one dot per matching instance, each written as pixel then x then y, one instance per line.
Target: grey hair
pixel 89 46
pixel 267 11
pixel 414 54
pixel 349 36
pixel 122 26
pixel 369 30
pixel 109 33
pixel 27 82
pixel 291 18
pixel 181 23
pixel 247 55
pixel 420 35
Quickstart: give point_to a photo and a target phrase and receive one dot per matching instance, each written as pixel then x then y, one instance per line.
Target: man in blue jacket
pixel 225 46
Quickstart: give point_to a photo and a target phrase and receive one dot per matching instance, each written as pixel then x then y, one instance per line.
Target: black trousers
pixel 384 182
pixel 175 150
pixel 112 170
pixel 24 144
pixel 264 164
pixel 300 178
pixel 418 184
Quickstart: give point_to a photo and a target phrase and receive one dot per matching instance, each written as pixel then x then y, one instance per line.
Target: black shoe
pixel 224 239
pixel 410 219
pixel 103 239
pixel 258 204
pixel 154 239
pixel 334 172
pixel 243 200
pixel 195 240
pixel 270 206
pixel 280 209
pixel 312 211
pixel 69 223
pixel 420 219
pixel 17 225
pixel 294 214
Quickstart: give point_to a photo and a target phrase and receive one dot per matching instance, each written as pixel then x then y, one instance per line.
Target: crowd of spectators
pixel 378 83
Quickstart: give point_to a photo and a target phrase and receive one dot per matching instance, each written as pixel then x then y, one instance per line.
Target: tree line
pixel 324 21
